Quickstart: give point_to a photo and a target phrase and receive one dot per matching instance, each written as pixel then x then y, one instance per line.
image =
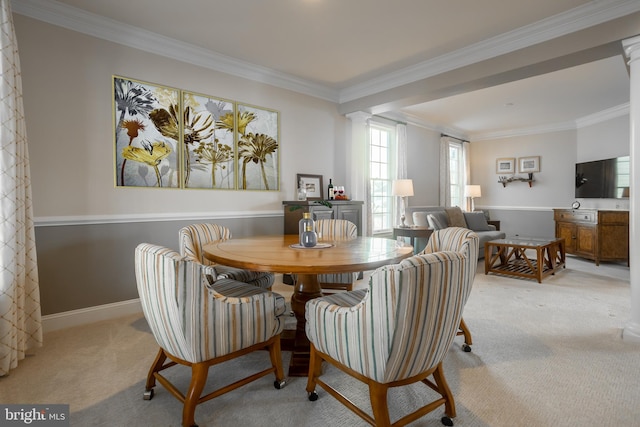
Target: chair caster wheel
pixel 148 394
pixel 466 348
pixel 313 396
pixel 279 384
pixel 446 421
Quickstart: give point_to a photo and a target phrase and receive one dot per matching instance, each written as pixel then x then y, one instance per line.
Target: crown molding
pixel 604 115
pixel 631 46
pixel 75 19
pixel 422 123
pixel 536 130
pixel 573 20
pixel 592 119
pixel 593 13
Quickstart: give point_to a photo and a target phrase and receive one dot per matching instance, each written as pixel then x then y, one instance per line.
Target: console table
pixel 340 209
pixel 600 235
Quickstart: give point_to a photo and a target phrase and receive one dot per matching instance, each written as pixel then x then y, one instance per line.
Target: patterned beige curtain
pixel 20 321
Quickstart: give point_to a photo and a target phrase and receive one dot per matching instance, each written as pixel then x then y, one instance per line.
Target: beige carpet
pixel 543 355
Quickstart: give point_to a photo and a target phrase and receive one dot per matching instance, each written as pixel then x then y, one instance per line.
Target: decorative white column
pixel 358 160
pixel 631 47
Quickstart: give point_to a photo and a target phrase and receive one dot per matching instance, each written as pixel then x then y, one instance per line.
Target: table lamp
pixel 472 191
pixel 402 188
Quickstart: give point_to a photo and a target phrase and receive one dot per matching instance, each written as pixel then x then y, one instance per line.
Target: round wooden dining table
pixel 278 254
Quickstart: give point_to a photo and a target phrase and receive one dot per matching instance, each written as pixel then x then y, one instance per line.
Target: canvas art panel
pixel 146 134
pixel 208 141
pixel 258 148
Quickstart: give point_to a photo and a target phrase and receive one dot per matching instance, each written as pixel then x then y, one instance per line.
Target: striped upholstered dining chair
pixel 457 239
pixel 195 236
pixel 199 320
pixel 328 229
pixel 395 332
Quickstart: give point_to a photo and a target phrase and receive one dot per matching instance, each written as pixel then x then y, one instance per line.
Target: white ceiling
pixel 338 45
pixel 550 101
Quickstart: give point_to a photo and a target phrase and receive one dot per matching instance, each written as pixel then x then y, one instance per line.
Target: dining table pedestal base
pixel 306 288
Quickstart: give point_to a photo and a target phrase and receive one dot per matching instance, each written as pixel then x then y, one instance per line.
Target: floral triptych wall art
pixel 170 138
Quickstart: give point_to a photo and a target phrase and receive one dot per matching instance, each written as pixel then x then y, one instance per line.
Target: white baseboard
pixel 83 316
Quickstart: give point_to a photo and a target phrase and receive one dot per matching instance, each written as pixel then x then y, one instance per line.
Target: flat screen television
pixel 603 179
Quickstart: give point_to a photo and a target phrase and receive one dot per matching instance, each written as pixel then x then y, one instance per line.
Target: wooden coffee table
pixel 511 259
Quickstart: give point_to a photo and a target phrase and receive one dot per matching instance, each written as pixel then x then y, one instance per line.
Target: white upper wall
pixel 68 108
pixel 559 152
pixel 68 99
pixel 423 165
pixel 604 140
pixel 553 186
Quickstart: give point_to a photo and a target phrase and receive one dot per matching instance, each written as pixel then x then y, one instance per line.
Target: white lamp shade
pixel 402 187
pixel 472 191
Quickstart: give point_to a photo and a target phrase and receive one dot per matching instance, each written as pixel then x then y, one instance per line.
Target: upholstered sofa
pixel 438 217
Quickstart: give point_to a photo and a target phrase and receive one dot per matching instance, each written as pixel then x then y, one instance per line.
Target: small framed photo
pixel 506 165
pixel 529 164
pixel 312 183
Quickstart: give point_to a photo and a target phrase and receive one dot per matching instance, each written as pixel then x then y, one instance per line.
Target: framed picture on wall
pixel 506 165
pixel 529 164
pixel 312 183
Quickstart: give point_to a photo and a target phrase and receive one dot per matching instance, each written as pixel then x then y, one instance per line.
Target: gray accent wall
pixel 87 265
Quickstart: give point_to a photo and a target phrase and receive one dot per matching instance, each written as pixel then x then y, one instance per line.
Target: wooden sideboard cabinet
pixel 600 235
pixel 340 209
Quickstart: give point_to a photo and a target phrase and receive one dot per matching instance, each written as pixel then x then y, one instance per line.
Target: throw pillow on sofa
pixel 456 218
pixel 437 220
pixel 476 221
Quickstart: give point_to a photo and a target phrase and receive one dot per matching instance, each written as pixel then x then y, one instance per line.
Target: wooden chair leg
pixel 466 332
pixel 199 373
pixel 155 367
pixel 379 405
pixel 445 391
pixel 276 359
pixel 315 368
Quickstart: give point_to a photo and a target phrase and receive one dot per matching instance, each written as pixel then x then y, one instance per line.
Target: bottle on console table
pixel 330 194
pixel 307 231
